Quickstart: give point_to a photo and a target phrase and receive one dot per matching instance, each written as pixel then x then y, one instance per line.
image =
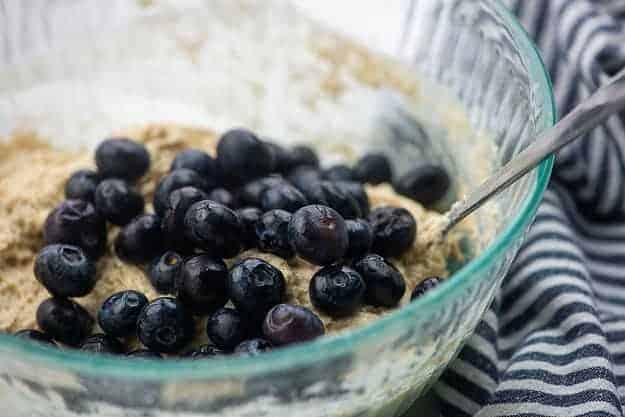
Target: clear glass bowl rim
pixel 324 348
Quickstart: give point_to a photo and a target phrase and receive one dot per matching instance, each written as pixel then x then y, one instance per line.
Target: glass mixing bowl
pixel 474 48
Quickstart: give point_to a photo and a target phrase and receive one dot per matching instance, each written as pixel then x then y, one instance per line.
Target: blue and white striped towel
pixel 553 343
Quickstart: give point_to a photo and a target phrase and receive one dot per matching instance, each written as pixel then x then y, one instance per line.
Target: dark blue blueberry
pixel 249 217
pixel 335 196
pixel 144 354
pixel 214 228
pixel 173 220
pixel 117 202
pixel 119 313
pixel 339 172
pixel 223 196
pixel 304 178
pixel 373 168
pixel 424 286
pixel 173 181
pixel 202 284
pixel 102 343
pixel 360 235
pixel 164 270
pixel 64 320
pixel 252 347
pixel 165 325
pixel 272 233
pixel 81 185
pixel 122 158
pixel 226 328
pixel 284 197
pixel 36 336
pixel 286 324
pixel 251 193
pixel 255 286
pixel 357 191
pixel 76 222
pixel 65 270
pixel 281 157
pixel 303 156
pixel 426 184
pixel 337 290
pixel 394 231
pixel 198 161
pixel 318 234
pixel 205 352
pixel 385 284
pixel 141 240
pixel 243 156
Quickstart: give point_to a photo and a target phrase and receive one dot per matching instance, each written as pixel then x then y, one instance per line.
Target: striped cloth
pixel 553 343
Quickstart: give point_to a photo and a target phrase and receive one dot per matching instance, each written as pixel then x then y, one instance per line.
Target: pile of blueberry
pixel 254 194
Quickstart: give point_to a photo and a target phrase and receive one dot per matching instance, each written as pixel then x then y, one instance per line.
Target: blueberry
pixel 394 230
pixel 281 157
pixel 122 158
pixel 102 343
pixel 144 354
pixel 318 234
pixel 205 351
pixel 202 284
pixel 226 328
pixel 173 220
pixel 303 156
pixel 214 227
pixel 165 325
pixel 272 233
pixel 251 193
pixel 243 156
pixel 385 284
pixel 198 161
pixel 373 168
pixel 164 270
pixel 357 191
pixel 64 320
pixel 76 222
pixel 360 235
pixel 141 240
pixel 81 185
pixel 339 172
pixel 255 286
pixel 36 336
pixel 223 196
pixel 252 347
pixel 284 197
pixel 337 290
pixel 339 199
pixel 249 217
pixel 119 313
pixel 303 177
pixel 426 184
pixel 65 270
pixel 173 181
pixel 424 286
pixel 286 324
pixel 117 202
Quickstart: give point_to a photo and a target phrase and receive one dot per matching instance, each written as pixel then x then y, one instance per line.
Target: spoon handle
pixel 590 113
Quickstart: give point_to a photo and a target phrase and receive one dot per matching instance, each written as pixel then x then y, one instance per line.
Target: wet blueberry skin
pixel 64 320
pixel 122 158
pixel 251 193
pixel 373 168
pixel 242 155
pixel 249 217
pixel 141 240
pixel 198 161
pixel 303 178
pixel 102 343
pixel 385 284
pixel 214 228
pixel 226 328
pixel 284 197
pixel 202 284
pixel 65 270
pixel 165 325
pixel 118 202
pixel 281 157
pixel 173 220
pixel 318 234
pixel 76 222
pixel 119 313
pixel 144 354
pixel 206 351
pixel 339 172
pixel 36 336
pixel 426 184
pixel 335 196
pixel 164 270
pixel 223 196
pixel 287 324
pixel 272 233
pixel 171 182
pixel 255 286
pixel 360 239
pixel 394 230
pixel 337 290
pixel 303 156
pixel 424 286
pixel 253 347
pixel 357 191
pixel 81 185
